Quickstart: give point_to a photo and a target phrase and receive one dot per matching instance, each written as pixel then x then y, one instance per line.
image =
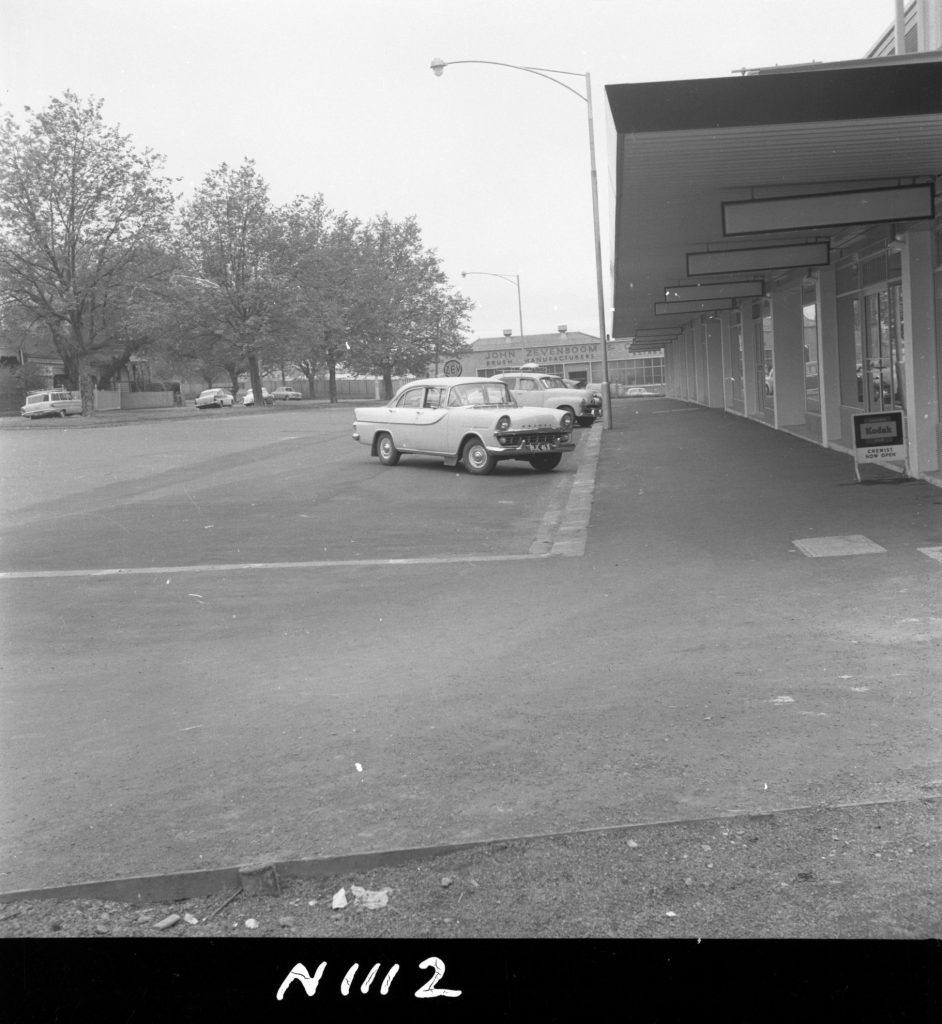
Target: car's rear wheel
pixel 545 463
pixel 386 451
pixel 476 458
pixel 62 414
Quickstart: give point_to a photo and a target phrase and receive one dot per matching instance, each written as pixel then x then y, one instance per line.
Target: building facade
pixel 780 233
pixel 572 355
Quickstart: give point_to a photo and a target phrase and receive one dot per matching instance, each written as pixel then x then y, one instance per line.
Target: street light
pixel 515 281
pixel 438 66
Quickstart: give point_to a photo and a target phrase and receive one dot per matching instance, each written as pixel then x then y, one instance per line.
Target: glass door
pixel 880 384
pixel 736 360
pixel 765 373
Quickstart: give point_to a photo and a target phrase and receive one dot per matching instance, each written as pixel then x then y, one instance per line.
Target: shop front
pixel 783 230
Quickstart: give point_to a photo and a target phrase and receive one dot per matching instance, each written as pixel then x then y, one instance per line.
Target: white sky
pixel 336 97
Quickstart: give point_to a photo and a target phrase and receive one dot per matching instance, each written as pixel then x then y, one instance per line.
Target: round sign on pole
pixel 452 368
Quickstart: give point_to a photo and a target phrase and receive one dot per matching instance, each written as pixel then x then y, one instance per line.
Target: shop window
pixel 873 270
pixel 736 360
pixel 810 339
pixel 850 351
pixel 846 278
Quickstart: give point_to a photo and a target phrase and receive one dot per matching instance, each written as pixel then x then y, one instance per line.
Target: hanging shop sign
pixel 452 368
pixel 878 437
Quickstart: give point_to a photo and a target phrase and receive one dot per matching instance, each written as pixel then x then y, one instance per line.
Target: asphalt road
pixel 390 689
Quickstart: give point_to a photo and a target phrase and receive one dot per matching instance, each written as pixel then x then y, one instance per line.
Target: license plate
pixel 536 447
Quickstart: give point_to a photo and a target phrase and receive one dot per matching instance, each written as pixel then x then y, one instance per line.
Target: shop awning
pixel 857 140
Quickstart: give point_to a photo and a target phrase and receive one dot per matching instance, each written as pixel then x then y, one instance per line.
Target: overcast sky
pixel 336 97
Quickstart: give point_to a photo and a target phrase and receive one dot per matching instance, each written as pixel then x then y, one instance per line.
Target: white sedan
pixel 286 395
pixel 214 398
pixel 473 420
pixel 250 398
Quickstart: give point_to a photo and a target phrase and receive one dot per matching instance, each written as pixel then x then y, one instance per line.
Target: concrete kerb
pixel 571 536
pixel 122 417
pixel 196 884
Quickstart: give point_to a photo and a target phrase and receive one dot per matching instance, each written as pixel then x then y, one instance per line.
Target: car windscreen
pixel 551 382
pixel 481 393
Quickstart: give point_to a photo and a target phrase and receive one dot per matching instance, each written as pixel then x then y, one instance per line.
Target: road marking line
pixel 239 566
pixel 935 553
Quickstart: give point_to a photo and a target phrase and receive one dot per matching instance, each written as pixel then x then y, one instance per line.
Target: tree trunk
pixel 332 380
pixel 387 384
pixel 310 382
pixel 256 381
pixel 86 389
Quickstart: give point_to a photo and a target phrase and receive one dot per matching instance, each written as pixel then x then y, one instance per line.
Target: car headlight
pixel 566 421
pixel 503 423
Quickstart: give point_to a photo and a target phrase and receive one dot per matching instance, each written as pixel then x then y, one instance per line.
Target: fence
pixel 109 401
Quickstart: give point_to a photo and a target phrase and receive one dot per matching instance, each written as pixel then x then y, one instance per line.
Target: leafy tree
pixel 404 316
pixel 230 243
pixel 83 217
pixel 326 270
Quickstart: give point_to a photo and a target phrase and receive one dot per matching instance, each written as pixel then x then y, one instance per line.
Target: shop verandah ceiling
pixel 684 148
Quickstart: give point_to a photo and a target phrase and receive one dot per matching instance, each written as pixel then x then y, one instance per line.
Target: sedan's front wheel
pixel 477 459
pixel 545 463
pixel 386 450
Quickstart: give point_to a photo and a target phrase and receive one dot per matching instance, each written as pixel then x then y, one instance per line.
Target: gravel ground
pixel 859 872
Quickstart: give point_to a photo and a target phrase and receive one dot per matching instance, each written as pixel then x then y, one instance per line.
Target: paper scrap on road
pixel 370 900
pixel 340 899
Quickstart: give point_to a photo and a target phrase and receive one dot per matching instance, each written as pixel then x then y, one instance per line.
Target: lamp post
pixel 514 280
pixel 438 66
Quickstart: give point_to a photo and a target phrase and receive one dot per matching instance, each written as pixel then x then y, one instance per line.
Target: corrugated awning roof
pixel 684 148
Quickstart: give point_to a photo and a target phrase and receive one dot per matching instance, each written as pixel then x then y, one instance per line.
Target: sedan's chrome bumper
pixel 535 442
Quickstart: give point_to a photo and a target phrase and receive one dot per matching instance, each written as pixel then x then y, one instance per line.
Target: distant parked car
pixel 548 390
pixel 640 393
pixel 250 398
pixel 51 403
pixel 286 395
pixel 474 420
pixel 214 398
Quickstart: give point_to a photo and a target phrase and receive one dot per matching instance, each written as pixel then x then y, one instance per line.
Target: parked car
pixel 546 389
pixel 51 403
pixel 474 420
pixel 286 395
pixel 249 398
pixel 637 392
pixel 214 398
